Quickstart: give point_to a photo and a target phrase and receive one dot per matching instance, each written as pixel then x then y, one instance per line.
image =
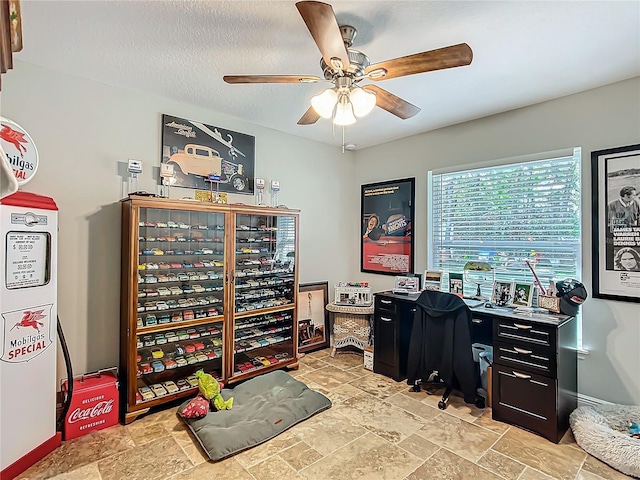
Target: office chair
pixel 440 347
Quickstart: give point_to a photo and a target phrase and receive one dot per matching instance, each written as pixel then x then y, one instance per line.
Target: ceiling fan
pixel 346 68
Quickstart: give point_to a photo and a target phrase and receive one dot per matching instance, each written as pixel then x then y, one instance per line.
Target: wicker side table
pixel 351 326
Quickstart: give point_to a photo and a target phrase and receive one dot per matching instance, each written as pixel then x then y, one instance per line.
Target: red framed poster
pixel 387 210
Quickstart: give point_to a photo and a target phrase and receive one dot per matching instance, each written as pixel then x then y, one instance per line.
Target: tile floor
pixel 376 429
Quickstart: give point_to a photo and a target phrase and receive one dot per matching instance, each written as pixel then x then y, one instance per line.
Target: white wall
pixel 597 119
pixel 83 129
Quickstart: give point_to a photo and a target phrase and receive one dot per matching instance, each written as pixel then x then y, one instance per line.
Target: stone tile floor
pixel 376 429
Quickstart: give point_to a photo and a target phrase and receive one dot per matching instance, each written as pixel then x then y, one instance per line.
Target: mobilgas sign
pixel 27 333
pixel 20 150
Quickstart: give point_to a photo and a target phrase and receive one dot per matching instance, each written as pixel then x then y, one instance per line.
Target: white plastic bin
pixel 486 359
pixel 478 348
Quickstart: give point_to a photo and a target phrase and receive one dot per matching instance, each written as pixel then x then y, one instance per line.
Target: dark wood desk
pixel 534 377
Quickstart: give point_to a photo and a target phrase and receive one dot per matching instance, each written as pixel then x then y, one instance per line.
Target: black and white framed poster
pixel 387 219
pixel 313 317
pixel 201 154
pixel 615 177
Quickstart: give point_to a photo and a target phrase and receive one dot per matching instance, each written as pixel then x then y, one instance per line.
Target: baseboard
pixel 35 455
pixel 585 400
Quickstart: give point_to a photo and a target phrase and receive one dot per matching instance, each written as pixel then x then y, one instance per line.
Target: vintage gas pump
pixel 28 307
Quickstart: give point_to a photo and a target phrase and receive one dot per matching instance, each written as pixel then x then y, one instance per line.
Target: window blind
pixel 507 215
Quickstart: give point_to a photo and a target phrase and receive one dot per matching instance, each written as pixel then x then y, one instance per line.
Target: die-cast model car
pixel 158 389
pixel 170 386
pixel 157 366
pixel 146 393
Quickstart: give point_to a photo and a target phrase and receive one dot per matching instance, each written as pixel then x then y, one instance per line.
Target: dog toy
pixel 210 389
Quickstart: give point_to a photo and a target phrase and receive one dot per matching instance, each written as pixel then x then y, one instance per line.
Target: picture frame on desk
pixel 456 284
pixel 313 317
pixel 522 294
pixel 407 284
pixel 432 280
pixel 502 293
pixel 615 186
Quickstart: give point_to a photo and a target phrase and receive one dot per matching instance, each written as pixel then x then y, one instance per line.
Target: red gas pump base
pixel 31 458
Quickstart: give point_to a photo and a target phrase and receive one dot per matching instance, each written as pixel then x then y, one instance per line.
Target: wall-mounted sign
pixel 20 150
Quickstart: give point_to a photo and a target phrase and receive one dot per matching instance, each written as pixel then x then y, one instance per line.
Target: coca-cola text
pixel 100 408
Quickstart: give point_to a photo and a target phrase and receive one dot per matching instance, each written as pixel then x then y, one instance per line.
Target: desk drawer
pixel 524 332
pixel 535 359
pixel 525 399
pixel 387 306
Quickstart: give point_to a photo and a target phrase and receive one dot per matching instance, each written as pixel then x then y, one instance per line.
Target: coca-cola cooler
pixel 94 403
pixel 28 335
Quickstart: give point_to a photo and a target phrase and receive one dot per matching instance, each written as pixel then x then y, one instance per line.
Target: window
pixel 506 215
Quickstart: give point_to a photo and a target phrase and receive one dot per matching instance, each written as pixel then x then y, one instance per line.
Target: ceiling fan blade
pixel 271 78
pixel 447 57
pixel 392 104
pixel 323 26
pixel 309 118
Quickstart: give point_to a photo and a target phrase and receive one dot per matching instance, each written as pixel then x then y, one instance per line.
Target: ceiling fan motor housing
pixel 358 61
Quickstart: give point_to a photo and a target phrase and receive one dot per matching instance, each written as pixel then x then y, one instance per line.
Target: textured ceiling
pixel 525 52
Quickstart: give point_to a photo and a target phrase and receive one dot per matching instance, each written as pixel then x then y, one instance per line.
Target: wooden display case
pixel 204 286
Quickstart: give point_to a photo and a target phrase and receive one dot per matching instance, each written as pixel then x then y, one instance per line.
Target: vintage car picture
pixel 205 157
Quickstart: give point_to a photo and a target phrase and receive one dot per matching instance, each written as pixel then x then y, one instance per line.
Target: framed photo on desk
pixel 502 293
pixel 522 294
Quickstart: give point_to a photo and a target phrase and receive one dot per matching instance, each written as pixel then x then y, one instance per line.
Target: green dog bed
pixel 263 407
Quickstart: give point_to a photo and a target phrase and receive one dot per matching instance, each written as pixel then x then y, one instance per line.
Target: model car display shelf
pixel 265 289
pixel 204 286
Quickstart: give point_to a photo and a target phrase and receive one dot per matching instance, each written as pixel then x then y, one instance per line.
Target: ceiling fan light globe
pixel 344 114
pixel 323 103
pixel 362 101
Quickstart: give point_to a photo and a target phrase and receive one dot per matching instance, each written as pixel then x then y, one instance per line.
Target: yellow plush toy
pixel 210 389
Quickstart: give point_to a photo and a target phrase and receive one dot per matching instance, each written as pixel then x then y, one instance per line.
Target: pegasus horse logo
pixel 30 319
pixel 15 138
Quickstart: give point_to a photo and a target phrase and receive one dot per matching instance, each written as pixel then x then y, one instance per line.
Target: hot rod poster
pixel 201 154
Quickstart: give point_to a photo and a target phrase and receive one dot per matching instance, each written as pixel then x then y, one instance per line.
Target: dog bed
pixel 602 431
pixel 263 407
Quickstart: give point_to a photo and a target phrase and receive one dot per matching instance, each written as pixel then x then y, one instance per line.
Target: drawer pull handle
pixel 522 350
pixel 385 319
pixel 522 327
pixel 521 375
pixel 386 302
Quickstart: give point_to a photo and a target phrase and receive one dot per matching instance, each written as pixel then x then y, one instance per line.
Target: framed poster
pixel 313 317
pixel 615 178
pixel 387 211
pixel 201 154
